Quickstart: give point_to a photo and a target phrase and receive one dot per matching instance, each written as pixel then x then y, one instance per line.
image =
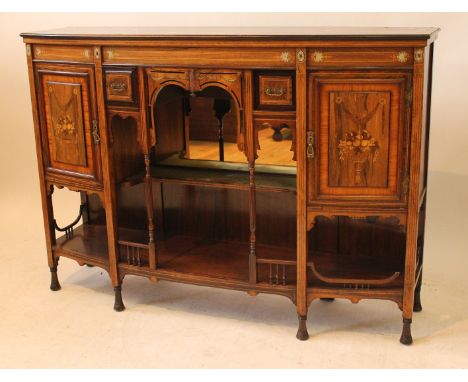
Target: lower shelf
pixel 182 256
pixel 226 264
pixel 357 272
pixel 88 245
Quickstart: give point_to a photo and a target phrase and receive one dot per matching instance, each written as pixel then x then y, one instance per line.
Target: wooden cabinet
pixel 265 161
pixel 69 125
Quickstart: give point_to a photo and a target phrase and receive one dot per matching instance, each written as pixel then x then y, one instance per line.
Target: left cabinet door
pixel 69 127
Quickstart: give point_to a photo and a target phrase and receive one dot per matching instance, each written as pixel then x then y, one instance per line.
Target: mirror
pixel 211 127
pixel 275 143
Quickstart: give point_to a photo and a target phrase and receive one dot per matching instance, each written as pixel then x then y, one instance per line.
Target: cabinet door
pixel 70 131
pixel 357 127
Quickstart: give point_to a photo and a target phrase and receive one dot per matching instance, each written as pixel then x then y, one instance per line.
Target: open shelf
pixel 219 174
pixel 88 245
pixel 345 271
pixel 223 178
pixel 177 255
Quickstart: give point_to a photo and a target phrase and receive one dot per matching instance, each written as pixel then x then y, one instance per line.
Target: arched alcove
pixel 128 158
pixel 203 125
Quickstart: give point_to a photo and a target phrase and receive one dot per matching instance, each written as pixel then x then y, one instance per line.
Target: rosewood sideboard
pixel 290 161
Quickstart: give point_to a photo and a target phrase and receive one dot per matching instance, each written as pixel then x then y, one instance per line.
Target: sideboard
pixel 290 161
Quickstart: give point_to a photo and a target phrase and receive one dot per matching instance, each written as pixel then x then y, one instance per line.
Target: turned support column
pixel 150 213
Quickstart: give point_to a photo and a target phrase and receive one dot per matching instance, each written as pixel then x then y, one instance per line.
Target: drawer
pixel 121 86
pixel 275 91
pixel 360 57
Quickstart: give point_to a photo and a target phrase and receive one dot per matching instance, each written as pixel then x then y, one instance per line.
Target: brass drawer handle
pixel 118 86
pixel 275 92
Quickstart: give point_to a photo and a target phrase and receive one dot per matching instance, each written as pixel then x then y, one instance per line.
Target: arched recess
pixel 157 81
pixel 231 83
pixel 175 111
pixel 214 125
pixel 126 145
pixel 169 111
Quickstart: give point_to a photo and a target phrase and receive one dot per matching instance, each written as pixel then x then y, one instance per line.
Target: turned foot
pixel 406 338
pixel 54 283
pixel 327 299
pixel 302 333
pixel 417 307
pixel 118 304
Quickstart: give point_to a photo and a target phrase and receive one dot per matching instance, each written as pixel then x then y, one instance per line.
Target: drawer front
pixel 358 134
pixel 63 53
pixel 201 57
pixel 323 58
pixel 121 86
pixel 275 90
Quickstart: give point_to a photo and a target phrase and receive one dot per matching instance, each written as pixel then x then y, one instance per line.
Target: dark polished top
pixel 211 33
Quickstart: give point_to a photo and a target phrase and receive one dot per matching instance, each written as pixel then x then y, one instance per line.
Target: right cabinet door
pixel 357 137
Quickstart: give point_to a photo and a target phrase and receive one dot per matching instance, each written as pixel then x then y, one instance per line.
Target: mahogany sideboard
pixel 290 161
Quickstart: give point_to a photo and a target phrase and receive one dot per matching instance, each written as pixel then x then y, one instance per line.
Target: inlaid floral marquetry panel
pixel 359 139
pixel 359 129
pixel 68 124
pixel 66 120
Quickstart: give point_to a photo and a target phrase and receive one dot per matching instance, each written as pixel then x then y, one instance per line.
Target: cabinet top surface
pixel 291 33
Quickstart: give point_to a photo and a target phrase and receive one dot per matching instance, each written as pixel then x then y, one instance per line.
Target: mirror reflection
pixel 275 143
pixel 211 128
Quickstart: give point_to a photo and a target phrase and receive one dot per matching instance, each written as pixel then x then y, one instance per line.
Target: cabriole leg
pixel 406 338
pixel 118 304
pixel 302 333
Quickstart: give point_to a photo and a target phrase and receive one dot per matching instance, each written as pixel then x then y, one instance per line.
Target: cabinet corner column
pixel 45 188
pixel 301 126
pixel 46 192
pixel 108 178
pixel 413 195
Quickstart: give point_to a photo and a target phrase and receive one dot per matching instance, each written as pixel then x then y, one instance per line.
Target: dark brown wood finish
pixel 116 115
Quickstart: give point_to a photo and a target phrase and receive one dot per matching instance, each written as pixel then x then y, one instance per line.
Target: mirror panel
pixel 275 142
pixel 212 125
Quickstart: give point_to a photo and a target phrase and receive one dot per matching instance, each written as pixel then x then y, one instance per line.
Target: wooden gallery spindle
pixel 150 213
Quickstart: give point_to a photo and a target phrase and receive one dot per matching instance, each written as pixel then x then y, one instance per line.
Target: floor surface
pixel 181 326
